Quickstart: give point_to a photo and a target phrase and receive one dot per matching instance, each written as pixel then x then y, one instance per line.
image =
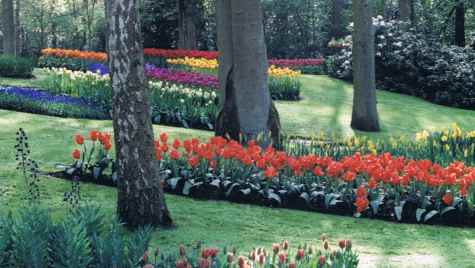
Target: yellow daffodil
pixel 422 136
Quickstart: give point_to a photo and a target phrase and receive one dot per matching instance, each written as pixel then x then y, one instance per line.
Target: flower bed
pixel 305 66
pixel 280 87
pixel 86 237
pixel 442 147
pixel 376 186
pixel 172 104
pixel 42 102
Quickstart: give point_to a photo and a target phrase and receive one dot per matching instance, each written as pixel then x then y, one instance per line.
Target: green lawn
pixel 381 244
pixel 326 106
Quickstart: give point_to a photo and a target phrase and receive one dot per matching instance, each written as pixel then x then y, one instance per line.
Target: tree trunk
pixel 460 25
pixel 365 114
pixel 337 27
pixel 246 108
pixel 188 16
pixel 8 23
pixel 405 10
pixel 18 35
pixel 141 199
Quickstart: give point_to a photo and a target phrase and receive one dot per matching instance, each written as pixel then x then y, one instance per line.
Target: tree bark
pixel 18 35
pixel 246 108
pixel 365 114
pixel 460 25
pixel 337 27
pixel 8 23
pixel 141 199
pixel 405 10
pixel 188 17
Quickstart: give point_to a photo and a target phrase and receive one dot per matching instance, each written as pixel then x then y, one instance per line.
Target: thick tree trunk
pixel 188 17
pixel 337 27
pixel 8 24
pixel 405 10
pixel 460 25
pixel 365 114
pixel 246 108
pixel 140 193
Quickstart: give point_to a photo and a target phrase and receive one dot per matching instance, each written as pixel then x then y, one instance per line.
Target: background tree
pixel 140 194
pixel 365 114
pixel 460 24
pixel 188 23
pixel 405 9
pixel 8 26
pixel 337 29
pixel 245 104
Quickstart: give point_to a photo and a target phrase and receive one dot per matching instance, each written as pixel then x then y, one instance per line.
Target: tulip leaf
pixel 398 212
pixel 419 213
pixel 446 209
pixel 329 198
pixel 186 188
pixel 173 182
pixel 430 215
pixel 70 171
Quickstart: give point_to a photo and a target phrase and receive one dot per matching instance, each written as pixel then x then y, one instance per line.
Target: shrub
pixel 409 62
pixel 16 67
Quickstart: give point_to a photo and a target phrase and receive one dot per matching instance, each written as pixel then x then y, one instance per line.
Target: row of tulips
pixel 172 103
pixel 381 186
pixel 281 255
pixel 281 87
pixel 50 58
pixel 153 52
pixel 275 70
pixel 442 147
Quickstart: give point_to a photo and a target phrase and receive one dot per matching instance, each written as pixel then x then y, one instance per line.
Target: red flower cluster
pixel 179 53
pixel 371 171
pixel 361 199
pixel 94 135
pixel 296 62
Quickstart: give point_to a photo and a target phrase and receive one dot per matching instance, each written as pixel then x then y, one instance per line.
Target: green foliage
pixel 410 62
pixel 83 238
pixel 16 67
pixel 64 62
pixel 284 88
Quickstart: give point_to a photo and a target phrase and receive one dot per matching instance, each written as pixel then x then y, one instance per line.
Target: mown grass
pixel 326 106
pixel 380 244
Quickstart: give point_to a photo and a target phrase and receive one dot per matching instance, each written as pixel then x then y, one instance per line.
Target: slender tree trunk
pixel 365 114
pixel 18 35
pixel 337 27
pixel 8 23
pixel 188 17
pixel 405 10
pixel 141 199
pixel 246 107
pixel 460 25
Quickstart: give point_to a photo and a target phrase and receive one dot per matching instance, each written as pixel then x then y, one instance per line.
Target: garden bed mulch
pixel 301 197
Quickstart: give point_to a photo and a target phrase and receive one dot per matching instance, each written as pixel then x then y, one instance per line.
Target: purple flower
pixel 181 77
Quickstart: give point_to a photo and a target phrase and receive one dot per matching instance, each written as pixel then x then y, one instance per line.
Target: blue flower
pixel 44 96
pixel 98 68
